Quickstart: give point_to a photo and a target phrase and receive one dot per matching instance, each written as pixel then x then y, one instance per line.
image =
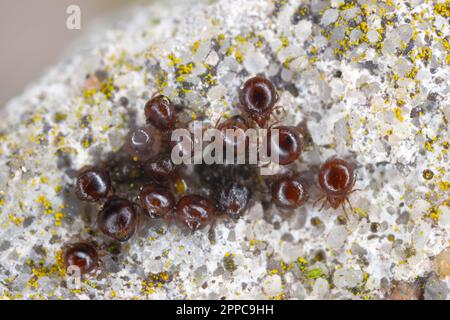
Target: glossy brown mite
pixel 82 255
pixel 289 193
pixel 236 122
pixel 157 201
pixel 161 113
pixel 93 184
pixel 257 98
pixel 143 143
pixel 233 200
pixel 289 145
pixel 336 179
pixel 195 211
pixel 239 126
pixel 160 167
pixel 118 219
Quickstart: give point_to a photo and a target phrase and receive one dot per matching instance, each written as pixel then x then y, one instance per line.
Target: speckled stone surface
pixel 368 80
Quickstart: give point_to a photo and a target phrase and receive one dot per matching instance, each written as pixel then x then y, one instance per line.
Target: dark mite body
pixel 143 143
pixel 161 113
pixel 157 201
pixel 93 184
pixel 235 123
pixel 239 126
pixel 195 211
pixel 289 193
pixel 257 98
pixel 160 167
pixel 336 179
pixel 82 255
pixel 233 200
pixel 118 219
pixel 289 145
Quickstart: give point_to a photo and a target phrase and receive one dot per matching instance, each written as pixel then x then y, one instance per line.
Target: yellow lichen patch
pixel 195 46
pixel 39 269
pixel 285 267
pixel 302 263
pixel 7 295
pixel 398 114
pixel 220 37
pixel 60 264
pixel 281 296
pixel 284 42
pixel 183 70
pixel 240 39
pixel 48 209
pixel 315 274
pixel 161 80
pixel 88 95
pixel 361 212
pixel 173 60
pixel 154 281
pixel 124 60
pixel 58 189
pixel 288 61
pixel 424 54
pixel 273 272
pixel 86 143
pixel 429 146
pixel 434 213
pixel 46 204
pixel 16 220
pixel 58 217
pixel 443 9
pixel 44 180
pixel 412 73
pixel 60 117
pixel 107 88
pixel 444 185
pixel 239 56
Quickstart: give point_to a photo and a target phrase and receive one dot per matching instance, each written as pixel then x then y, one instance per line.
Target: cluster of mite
pixel 144 181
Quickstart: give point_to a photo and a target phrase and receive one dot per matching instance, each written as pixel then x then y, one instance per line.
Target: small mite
pixel 289 193
pixel 233 200
pixel 93 184
pixel 143 143
pixel 161 113
pixel 118 219
pixel 82 255
pixel 336 179
pixel 157 201
pixel 195 211
pixel 160 167
pixel 234 123
pixel 289 145
pixel 237 126
pixel 257 98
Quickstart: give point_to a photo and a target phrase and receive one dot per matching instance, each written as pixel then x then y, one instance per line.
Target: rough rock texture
pixel 368 80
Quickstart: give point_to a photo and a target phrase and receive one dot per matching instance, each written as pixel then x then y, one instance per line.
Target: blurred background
pixel 33 36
